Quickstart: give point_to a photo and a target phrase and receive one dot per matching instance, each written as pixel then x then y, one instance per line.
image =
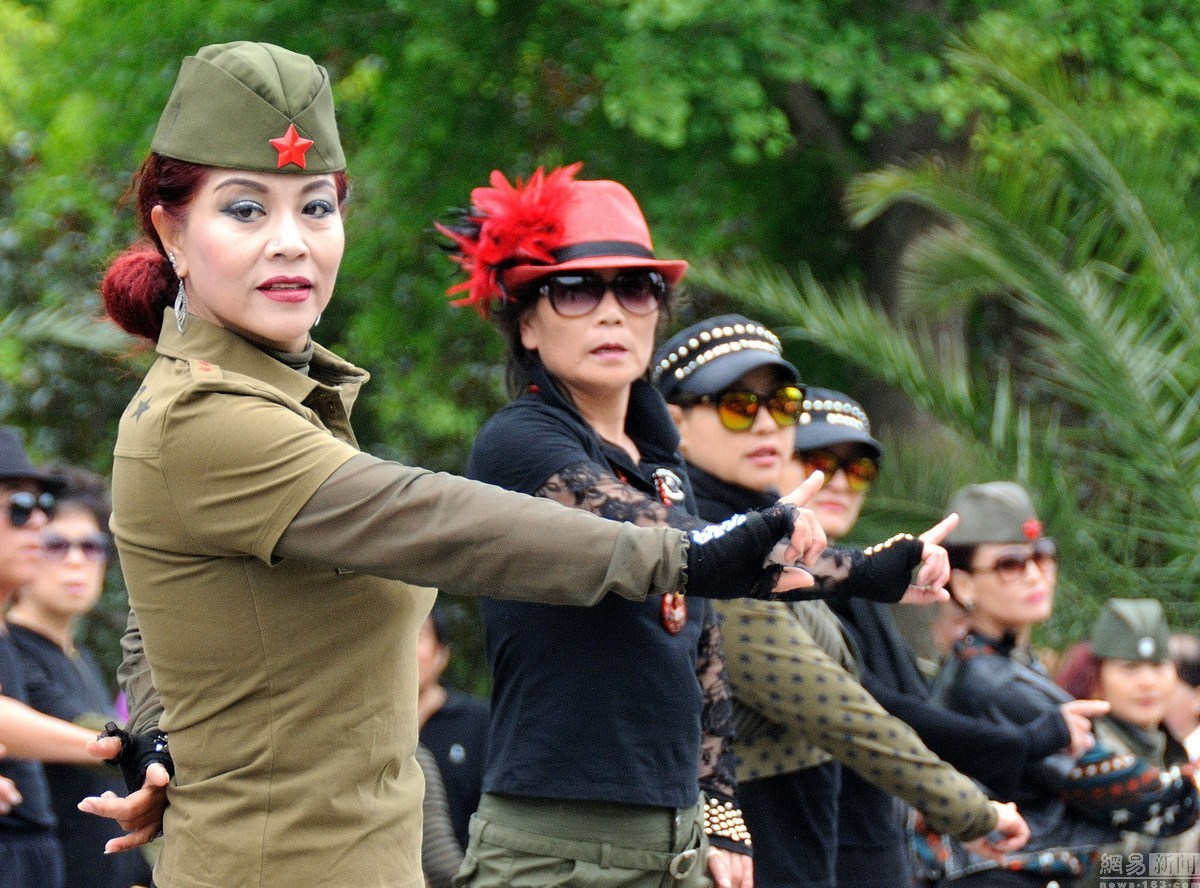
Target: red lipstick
pixel 286 289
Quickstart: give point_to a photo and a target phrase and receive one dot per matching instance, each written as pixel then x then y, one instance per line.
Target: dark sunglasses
pixel 93 547
pixel 860 470
pixel 22 504
pixel 1012 565
pixel 737 408
pixel 639 291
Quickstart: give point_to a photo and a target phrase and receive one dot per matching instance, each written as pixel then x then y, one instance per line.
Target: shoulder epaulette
pixel 204 370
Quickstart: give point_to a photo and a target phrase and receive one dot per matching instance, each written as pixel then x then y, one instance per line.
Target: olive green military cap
pixel 251 106
pixel 1131 629
pixel 995 512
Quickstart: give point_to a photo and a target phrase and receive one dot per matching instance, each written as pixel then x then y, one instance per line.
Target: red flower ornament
pixel 518 223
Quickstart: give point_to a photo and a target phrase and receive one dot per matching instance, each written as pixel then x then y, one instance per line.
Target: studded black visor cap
pixel 828 418
pixel 708 357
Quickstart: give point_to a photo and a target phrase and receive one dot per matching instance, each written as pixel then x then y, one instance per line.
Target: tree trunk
pixel 880 246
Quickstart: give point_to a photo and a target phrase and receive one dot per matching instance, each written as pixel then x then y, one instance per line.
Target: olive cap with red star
pixel 995 512
pixel 251 106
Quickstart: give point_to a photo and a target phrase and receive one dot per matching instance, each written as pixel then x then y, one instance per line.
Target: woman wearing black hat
pixel 30 852
pixel 1004 574
pixel 62 676
pixel 601 721
pixel 268 559
pixel 786 736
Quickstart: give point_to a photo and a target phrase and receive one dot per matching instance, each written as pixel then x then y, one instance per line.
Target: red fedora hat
pixel 514 235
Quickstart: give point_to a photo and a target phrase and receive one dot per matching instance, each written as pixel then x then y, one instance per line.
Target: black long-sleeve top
pixel 997 755
pixel 602 703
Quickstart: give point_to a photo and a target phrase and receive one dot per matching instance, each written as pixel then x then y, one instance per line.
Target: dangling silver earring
pixel 181 311
pixel 180 298
pixel 317 319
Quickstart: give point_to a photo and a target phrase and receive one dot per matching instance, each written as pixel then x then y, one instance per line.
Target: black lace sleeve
pixel 717 761
pixel 593 488
pixel 881 573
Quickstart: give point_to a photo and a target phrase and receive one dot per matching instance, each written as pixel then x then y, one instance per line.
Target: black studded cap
pixel 828 417
pixel 708 357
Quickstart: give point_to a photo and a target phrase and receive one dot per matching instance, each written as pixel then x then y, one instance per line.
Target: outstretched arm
pixel 883 572
pixel 731 865
pixel 831 710
pixel 994 754
pixel 30 734
pixel 445 531
pixel 1131 794
pixel 1117 790
pixel 902 568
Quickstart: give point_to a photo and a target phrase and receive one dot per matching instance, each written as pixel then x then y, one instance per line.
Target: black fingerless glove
pixel 138 753
pixel 881 573
pixel 729 560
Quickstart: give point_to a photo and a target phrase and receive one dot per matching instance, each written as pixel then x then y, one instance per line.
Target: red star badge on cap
pixel 291 147
pixel 1032 529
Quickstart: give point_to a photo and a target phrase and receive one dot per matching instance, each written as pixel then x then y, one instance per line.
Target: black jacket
pixel 1069 804
pixel 995 753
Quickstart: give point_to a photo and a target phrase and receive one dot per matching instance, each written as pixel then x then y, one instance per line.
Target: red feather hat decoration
pixel 509 224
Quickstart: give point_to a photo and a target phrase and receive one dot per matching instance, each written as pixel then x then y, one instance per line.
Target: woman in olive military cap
pixel 267 558
pixel 1128 664
pixel 834 437
pixel 1004 574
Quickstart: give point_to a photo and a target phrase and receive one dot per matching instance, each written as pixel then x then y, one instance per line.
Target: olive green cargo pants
pixel 546 843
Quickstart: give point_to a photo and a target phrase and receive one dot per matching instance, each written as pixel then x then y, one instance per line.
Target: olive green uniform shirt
pixel 821 711
pixel 287 673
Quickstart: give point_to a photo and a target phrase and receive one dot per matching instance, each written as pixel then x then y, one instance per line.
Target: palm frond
pixel 1049 322
pixel 927 365
pixel 65 327
pixel 1053 99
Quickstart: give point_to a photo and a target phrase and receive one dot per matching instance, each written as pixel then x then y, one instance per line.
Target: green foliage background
pixel 739 124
